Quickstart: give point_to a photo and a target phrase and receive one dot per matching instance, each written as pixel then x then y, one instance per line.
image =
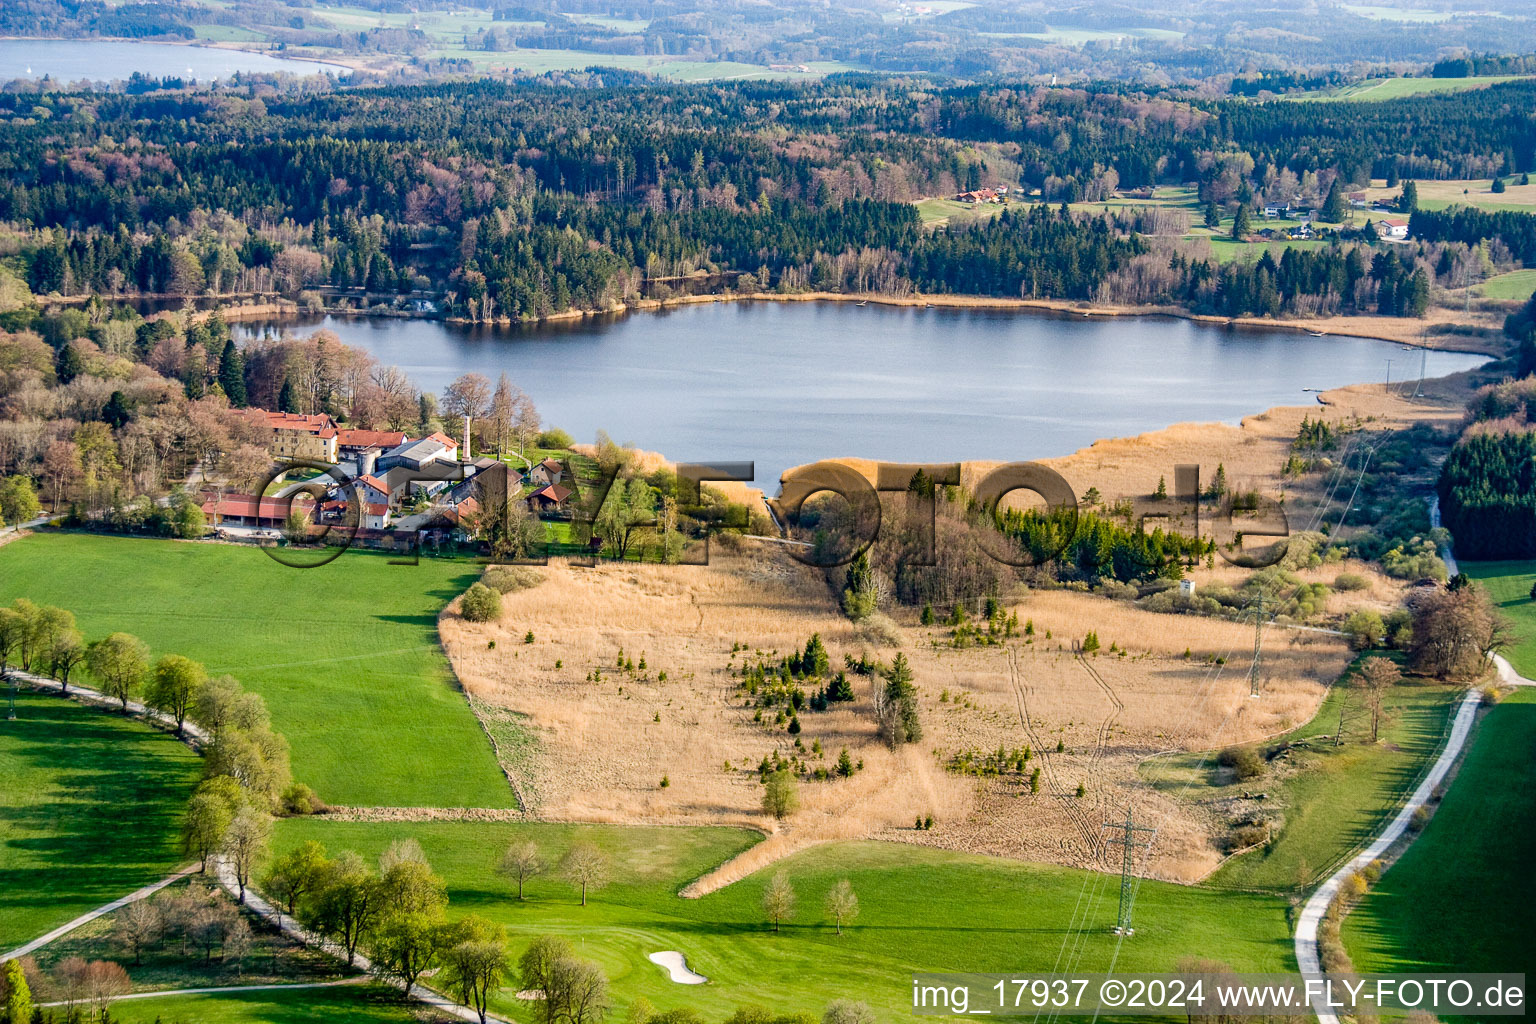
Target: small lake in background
pixel 104 60
pixel 789 383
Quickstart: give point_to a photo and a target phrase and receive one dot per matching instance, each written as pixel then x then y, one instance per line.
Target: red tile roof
pixel 247 506
pixel 374 482
pixel 370 438
pixel 438 435
pixel 319 424
pixel 554 493
pixel 552 466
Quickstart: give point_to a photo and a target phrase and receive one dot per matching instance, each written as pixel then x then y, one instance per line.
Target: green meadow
pixel 90 804
pixel 921 909
pixel 345 1004
pixel 1459 899
pixel 1517 284
pixel 1509 584
pixel 346 654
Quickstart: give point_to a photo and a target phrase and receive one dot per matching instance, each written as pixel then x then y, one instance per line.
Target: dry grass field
pixel 606 741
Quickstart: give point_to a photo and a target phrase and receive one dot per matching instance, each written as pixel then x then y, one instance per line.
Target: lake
pixel 104 60
pixel 789 383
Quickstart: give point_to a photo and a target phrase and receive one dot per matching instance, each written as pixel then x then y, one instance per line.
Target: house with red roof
pixel 300 436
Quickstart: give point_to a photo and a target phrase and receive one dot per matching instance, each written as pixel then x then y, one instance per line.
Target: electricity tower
pixel 1127 890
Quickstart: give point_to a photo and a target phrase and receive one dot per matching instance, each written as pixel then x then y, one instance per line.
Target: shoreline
pixel 1403 331
pixel 223 46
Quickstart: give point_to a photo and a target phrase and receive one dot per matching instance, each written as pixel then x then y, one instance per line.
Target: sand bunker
pixel 676 967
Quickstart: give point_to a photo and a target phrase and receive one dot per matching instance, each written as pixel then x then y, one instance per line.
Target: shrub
pixel 1365 629
pixel 555 438
pixel 508 579
pixel 1348 581
pixel 1245 762
pixel 1247 837
pixel 481 603
pixel 300 799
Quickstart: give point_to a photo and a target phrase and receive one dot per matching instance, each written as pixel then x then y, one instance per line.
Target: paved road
pixel 1317 905
pixel 221 989
pixel 259 905
pixel 193 736
pixel 1312 913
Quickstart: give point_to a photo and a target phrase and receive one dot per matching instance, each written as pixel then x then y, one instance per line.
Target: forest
pixel 528 199
pixel 1488 494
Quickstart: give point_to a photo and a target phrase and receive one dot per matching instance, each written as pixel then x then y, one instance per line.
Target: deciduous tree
pixel 522 861
pixel 842 903
pixel 119 662
pixel 779 899
pixel 176 681
pixel 586 866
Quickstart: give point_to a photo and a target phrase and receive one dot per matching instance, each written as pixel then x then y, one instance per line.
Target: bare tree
pixel 779 899
pixel 842 903
pixel 469 395
pixel 587 866
pixel 237 943
pixel 522 862
pixel 1453 632
pixel 104 982
pixel 137 926
pixel 1377 677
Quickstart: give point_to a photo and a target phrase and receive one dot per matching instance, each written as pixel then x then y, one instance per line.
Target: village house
pixel 247 510
pixel 550 498
pixel 350 443
pixel 372 490
pixel 1394 228
pixel 547 472
pixel 297 436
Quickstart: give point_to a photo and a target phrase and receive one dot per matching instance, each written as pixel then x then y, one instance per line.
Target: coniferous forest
pixel 530 198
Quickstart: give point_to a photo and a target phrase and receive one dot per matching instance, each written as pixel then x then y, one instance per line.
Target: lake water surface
pixel 789 383
pixel 105 60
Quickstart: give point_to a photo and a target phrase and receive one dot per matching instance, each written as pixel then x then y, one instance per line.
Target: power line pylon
pixel 1127 890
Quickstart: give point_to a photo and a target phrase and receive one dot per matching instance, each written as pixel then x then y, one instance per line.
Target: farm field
pixel 920 909
pixel 346 655
pixel 1478 192
pixel 346 1004
pixel 1458 898
pixel 90 806
pixel 1225 250
pixel 1331 799
pixel 1373 89
pixel 935 212
pixel 1516 285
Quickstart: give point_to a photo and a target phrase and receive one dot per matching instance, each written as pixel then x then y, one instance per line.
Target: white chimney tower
pixel 464 456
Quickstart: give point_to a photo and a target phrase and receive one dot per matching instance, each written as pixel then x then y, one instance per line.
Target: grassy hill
pixel 346 655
